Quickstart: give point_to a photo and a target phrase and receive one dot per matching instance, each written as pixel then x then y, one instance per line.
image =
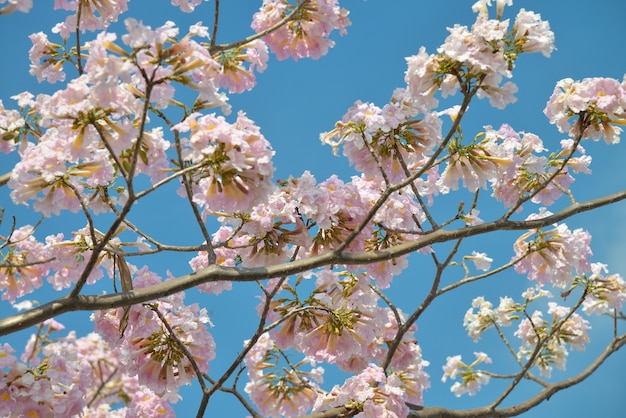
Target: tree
pixel 142 116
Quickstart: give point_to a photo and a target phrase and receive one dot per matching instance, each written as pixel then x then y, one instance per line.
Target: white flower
pixel 481 261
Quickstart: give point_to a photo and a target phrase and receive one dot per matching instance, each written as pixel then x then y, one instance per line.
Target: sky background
pixel 295 101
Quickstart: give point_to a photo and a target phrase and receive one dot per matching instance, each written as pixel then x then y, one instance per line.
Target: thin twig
pixel 219 48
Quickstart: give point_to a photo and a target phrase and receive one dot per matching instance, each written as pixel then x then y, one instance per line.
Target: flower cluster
pixel 373 392
pixel 307 32
pixel 287 392
pixel 60 261
pixel 187 6
pixel 233 74
pixel 386 139
pixel 340 323
pixel 605 293
pixel 93 15
pixel 56 175
pixel 471 380
pixel 600 103
pixel 474 165
pixel 58 378
pixel 12 123
pixel 544 342
pixel 486 317
pixel 524 170
pixel 318 217
pixel 480 57
pixel 24 264
pixel 51 69
pixel 186 62
pixel 53 385
pixel 154 340
pixel 111 384
pixel 513 165
pixel 233 162
pixel 566 328
pixel 554 256
pixel 91 132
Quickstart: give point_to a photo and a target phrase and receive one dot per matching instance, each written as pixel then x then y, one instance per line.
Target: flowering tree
pixel 148 108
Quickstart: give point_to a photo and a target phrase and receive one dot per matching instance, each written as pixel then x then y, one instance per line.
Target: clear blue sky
pixel 294 102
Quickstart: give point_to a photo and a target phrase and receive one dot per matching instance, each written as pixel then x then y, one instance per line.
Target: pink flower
pixel 153 159
pixel 307 34
pixel 158 361
pixel 278 391
pixel 337 323
pixel 472 218
pixel 553 256
pixel 145 402
pixel 380 395
pixel 234 75
pixel 225 257
pixel 605 292
pixel 481 6
pixel 574 329
pixel 600 100
pixel 51 69
pixel 472 380
pixel 473 165
pixel 523 170
pixel 149 351
pixel 499 96
pixel 23 6
pixel 342 324
pixel 480 49
pixel 94 16
pixel 51 385
pixel 184 61
pixel 373 137
pixel 70 257
pixel 7 359
pixel 554 352
pixel 485 316
pixel 414 379
pixel 187 6
pixel 26 263
pixel 11 123
pixel 274 401
pixel 421 78
pixel 234 162
pixel 533 34
pixel 487 53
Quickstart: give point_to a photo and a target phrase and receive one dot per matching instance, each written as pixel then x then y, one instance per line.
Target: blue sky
pixel 294 102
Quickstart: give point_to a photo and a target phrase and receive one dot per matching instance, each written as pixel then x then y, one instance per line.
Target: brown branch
pixel 216 18
pixel 518 409
pixel 4 179
pixel 215 273
pixel 291 16
pixel 336 412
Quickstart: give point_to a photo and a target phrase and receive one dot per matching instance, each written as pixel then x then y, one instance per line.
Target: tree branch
pixel 543 395
pixel 291 16
pixel 336 412
pixel 218 273
pixel 4 179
